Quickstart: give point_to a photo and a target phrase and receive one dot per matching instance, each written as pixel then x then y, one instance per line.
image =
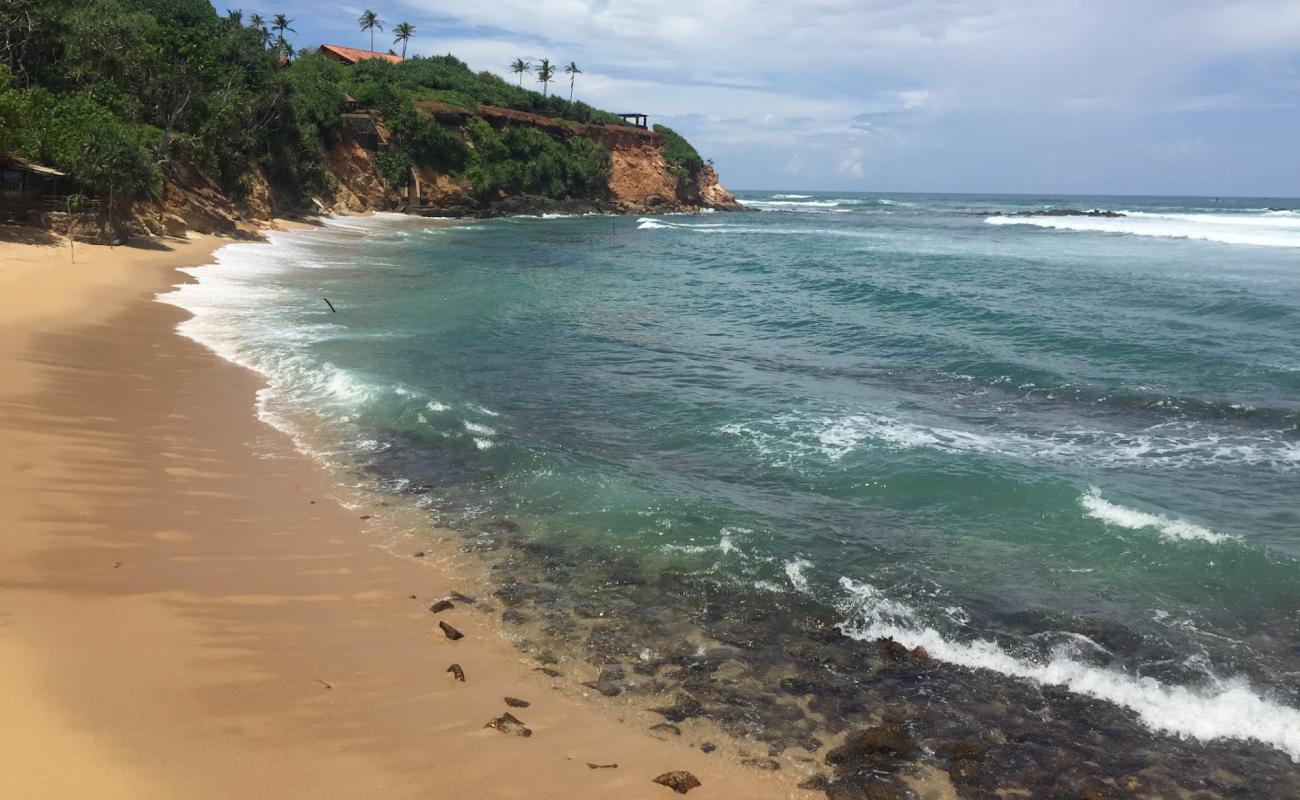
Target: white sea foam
pixel 725 543
pixel 794 572
pixel 479 428
pixel 792 204
pixel 436 407
pixel 1170 528
pixel 1269 229
pixel 789 438
pixel 791 197
pixel 482 444
pixel 1225 709
pixel 647 224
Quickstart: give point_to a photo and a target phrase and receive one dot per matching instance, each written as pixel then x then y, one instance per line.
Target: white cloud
pixel 881 76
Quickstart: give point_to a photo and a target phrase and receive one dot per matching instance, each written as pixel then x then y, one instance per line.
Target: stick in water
pixel 331 305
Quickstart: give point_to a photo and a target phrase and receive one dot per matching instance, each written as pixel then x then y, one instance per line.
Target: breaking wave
pixel 1266 229
pixel 1170 528
pixel 789 438
pixel 1224 709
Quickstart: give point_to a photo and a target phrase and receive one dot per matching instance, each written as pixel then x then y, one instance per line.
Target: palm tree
pixel 257 23
pixel 281 24
pixel 235 15
pixel 368 21
pixel 573 72
pixel 545 74
pixel 519 67
pixel 404 31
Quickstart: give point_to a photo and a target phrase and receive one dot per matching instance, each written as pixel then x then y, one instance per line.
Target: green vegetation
pixel 526 160
pixel 128 95
pixel 679 152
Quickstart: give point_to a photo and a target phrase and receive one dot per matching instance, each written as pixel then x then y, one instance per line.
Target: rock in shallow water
pixel 683 707
pixel 451 632
pixel 679 781
pixel 509 723
pixel 515 702
pixel 457 672
pixel 440 606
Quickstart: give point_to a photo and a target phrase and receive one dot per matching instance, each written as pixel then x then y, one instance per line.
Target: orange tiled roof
pixel 352 55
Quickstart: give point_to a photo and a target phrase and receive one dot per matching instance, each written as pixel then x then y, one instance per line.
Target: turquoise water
pixel 1052 450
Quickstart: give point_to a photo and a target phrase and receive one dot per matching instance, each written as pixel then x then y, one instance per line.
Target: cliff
pixel 640 180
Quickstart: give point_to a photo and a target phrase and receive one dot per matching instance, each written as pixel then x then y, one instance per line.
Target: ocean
pixel 729 453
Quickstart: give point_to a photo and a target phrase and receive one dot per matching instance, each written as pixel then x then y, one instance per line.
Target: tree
pixel 257 23
pixel 573 72
pixel 519 67
pixel 404 31
pixel 369 21
pixel 281 24
pixel 235 15
pixel 545 74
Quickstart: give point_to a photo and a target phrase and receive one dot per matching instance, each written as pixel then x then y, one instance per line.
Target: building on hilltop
pixel 351 55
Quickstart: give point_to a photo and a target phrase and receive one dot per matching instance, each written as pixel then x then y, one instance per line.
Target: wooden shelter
pixel 639 120
pixel 25 184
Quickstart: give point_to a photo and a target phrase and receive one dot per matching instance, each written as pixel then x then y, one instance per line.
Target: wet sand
pixel 184 612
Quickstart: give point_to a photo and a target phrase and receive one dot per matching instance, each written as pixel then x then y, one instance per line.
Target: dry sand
pixel 185 614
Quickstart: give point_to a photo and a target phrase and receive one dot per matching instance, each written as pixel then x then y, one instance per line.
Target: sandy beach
pixel 185 613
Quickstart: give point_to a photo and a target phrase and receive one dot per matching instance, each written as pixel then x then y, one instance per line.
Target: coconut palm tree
pixel 257 23
pixel 573 72
pixel 281 24
pixel 545 74
pixel 368 21
pixel 235 15
pixel 519 67
pixel 404 31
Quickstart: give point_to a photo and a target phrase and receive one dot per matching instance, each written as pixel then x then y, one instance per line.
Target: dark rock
pixel 457 672
pixel 769 764
pixel 957 749
pixel 679 781
pixel 666 727
pixel 879 746
pixel 514 616
pixel 601 766
pixel 921 656
pixel 892 648
pixel 464 598
pixel 509 723
pixel 606 687
pixel 515 702
pixel 707 747
pixel 683 707
pixel 365 516
pixel 418 554
pixel 451 632
pixel 554 673
pixel 440 606
pixel 817 783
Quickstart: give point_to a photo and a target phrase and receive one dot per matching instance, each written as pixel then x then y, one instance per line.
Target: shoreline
pixel 187 613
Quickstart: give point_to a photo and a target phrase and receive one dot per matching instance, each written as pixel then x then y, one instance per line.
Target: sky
pixel 1182 97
